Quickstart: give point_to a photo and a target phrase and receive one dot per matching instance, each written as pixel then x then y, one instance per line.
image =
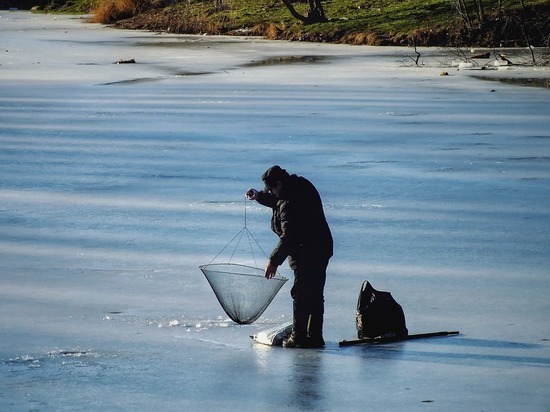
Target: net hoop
pixel 217 268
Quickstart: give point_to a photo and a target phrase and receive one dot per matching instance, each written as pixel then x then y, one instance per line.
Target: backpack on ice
pixel 378 314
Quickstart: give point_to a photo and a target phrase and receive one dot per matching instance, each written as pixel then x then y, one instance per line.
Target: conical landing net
pixel 243 291
pixel 241 288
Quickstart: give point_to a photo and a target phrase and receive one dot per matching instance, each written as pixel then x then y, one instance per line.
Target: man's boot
pixel 315 332
pixel 298 337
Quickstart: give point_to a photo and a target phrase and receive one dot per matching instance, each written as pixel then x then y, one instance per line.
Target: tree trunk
pixel 480 12
pixel 315 14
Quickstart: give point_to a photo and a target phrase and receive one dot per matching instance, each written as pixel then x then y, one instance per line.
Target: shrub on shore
pixel 110 11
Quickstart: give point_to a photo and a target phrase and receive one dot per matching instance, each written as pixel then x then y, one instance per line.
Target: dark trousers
pixel 308 299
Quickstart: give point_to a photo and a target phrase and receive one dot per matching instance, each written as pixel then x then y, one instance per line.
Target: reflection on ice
pixel 483 343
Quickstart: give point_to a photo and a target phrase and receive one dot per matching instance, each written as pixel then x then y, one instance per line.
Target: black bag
pixel 378 314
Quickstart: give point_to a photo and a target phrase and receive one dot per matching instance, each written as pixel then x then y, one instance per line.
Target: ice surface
pixel 118 180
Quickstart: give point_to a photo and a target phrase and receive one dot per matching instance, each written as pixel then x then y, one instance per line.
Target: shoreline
pixel 449 61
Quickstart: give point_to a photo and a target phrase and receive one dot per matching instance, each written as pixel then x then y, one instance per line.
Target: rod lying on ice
pixel 396 338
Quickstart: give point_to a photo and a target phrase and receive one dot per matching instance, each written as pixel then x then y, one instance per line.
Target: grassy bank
pixel 494 23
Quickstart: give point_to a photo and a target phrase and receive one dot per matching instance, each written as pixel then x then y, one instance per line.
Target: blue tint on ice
pixel 118 181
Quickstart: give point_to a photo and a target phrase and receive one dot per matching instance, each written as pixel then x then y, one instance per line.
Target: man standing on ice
pixel 304 237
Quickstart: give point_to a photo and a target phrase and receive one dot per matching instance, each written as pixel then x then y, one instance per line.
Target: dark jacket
pixel 299 221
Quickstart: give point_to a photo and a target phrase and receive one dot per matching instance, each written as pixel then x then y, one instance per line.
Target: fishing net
pixel 243 291
pixel 241 288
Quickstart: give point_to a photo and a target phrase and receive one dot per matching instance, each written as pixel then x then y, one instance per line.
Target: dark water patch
pixel 404 353
pixel 153 79
pixel 538 137
pixel 418 123
pixel 132 81
pixel 519 81
pixel 186 74
pixel 530 158
pixel 285 60
pixel 405 114
pixel 486 343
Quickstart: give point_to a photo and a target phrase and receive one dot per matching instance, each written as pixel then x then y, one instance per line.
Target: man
pixel 304 237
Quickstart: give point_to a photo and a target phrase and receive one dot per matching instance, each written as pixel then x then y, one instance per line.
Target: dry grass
pixel 109 11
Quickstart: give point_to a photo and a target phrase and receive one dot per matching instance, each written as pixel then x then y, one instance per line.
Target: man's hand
pixel 270 270
pixel 251 194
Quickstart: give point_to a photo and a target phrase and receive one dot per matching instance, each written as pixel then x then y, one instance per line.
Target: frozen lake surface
pixel 118 180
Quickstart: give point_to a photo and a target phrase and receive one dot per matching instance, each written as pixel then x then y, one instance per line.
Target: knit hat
pixel 272 176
